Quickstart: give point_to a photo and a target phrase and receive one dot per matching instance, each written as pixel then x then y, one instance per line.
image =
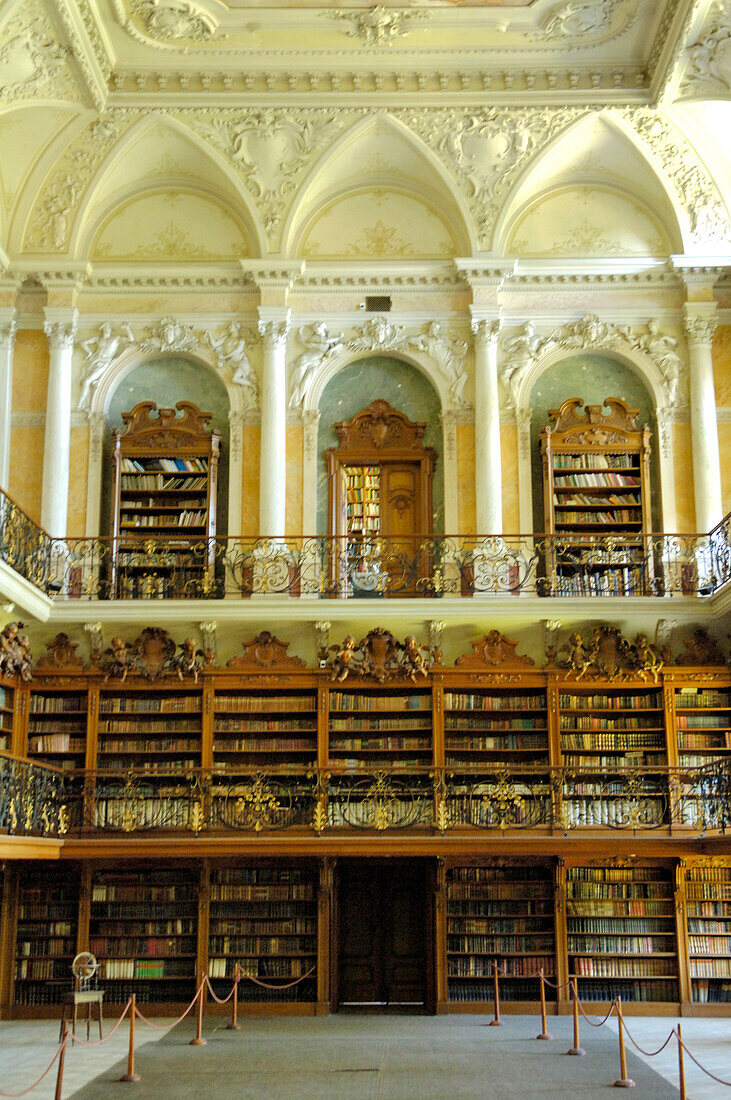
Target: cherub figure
pixel 649 661
pixel 317 342
pixel 579 659
pixel 15 658
pixel 100 351
pixel 344 655
pixel 412 658
pixel 190 660
pixel 23 657
pixel 117 660
pixel 230 349
pixel 520 352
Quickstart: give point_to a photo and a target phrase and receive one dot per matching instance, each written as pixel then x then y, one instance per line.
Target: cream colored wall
pixel 466 503
pixel 250 487
pixel 722 378
pixel 684 496
pixel 293 510
pixel 30 382
pixel 509 456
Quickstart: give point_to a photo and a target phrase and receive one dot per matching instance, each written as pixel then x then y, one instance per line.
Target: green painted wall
pixel 404 387
pixel 166 381
pixel 591 377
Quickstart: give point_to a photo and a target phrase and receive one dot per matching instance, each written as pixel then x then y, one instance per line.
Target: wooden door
pixel 384 935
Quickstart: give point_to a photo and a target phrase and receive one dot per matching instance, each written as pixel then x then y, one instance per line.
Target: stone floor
pixel 369 1058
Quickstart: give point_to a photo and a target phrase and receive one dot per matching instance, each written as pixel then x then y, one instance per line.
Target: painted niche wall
pixel 404 387
pixel 166 381
pixel 592 378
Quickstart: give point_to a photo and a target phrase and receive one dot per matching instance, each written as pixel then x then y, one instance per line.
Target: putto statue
pixel 230 349
pixel 15 657
pixel 190 660
pixel 101 351
pixel 317 342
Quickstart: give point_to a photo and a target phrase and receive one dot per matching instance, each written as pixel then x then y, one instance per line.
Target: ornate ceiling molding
pixel 87 47
pixel 707 68
pixel 574 24
pixel 32 60
pixel 378 26
pixel 168 24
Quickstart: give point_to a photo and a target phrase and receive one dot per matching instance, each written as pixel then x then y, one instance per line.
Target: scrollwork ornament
pixel 169 20
pixel 378 26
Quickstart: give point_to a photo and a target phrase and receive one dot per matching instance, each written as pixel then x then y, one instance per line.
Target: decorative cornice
pixel 86 46
pixel 377 26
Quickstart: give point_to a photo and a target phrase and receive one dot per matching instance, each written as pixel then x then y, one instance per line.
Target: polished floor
pixel 369 1058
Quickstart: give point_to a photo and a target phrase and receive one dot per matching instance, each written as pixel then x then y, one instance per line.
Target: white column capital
pixel 8 328
pixel 700 320
pixel 274 327
pixel 60 326
pixel 485 330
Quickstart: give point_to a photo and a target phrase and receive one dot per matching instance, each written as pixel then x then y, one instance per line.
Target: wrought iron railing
pixel 172 567
pixel 34 799
pixel 499 798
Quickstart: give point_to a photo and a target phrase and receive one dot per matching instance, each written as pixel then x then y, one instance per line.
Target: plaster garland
pixel 378 26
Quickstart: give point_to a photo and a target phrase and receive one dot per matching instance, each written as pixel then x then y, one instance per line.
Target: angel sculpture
pixel 649 661
pixel 117 660
pixel 412 658
pixel 101 351
pixel 189 661
pixel 344 654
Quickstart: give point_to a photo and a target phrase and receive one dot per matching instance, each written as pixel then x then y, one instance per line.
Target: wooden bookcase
pixel 263 919
pixel 143 928
pixel 596 487
pixel 7 713
pixel 708 911
pixel 702 723
pixel 499 913
pixel 45 935
pixel 165 480
pixel 621 933
pixel 264 727
pixel 380 726
pixel 57 722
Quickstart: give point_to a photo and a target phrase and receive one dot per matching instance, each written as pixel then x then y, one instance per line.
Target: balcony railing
pixel 437 566
pixel 43 801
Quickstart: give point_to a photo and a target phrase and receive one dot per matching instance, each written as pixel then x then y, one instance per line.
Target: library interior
pixel 365 506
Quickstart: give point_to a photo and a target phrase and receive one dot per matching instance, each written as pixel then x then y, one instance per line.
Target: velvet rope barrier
pixel 167 1027
pixel 98 1042
pixel 220 1000
pixel 289 985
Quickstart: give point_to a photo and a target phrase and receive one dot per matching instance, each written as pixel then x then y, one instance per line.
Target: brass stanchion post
pixel 681 1064
pixel 544 1028
pixel 61 1059
pixel 575 1049
pixel 624 1081
pixel 496 1022
pixel 199 1041
pixel 130 1076
pixel 234 1024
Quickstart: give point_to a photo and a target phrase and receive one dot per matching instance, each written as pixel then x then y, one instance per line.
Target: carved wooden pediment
pixel 164 428
pixel 593 425
pixel 379 656
pixel 381 427
pixel 607 655
pixel 61 655
pixel 154 651
pixel 700 649
pixel 265 651
pixel 493 650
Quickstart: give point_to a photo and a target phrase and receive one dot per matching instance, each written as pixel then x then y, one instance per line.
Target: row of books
pixel 34 908
pixel 265 744
pixel 596 461
pixel 163 812
pixel 497 945
pixel 617 888
pixel 257 724
pixel 708 874
pixel 705 992
pixel 262 945
pixel 43 970
pixel 57 704
pixel 149 704
pixel 689 698
pixel 620 945
pixel 262 968
pixel 597 481
pixel 514 927
pixel 632 907
pixel 571 500
pixel 263 704
pixel 709 968
pixel 617 515
pixel 711 945
pixel 595 722
pixel 343 700
pixel 469 701
pixel 716 890
pixel 56 742
pixel 187 517
pixel 152 945
pixel 169 465
pixel 295 926
pixel 507 741
pixel 598 967
pixel 177 927
pixel 584 762
pixel 359 744
pixel 344 725
pixel 42 929
pixel 698 741
pixel 116 969
pixel 155 482
pixel 479 966
pixel 485 891
pixel 532 723
pixel 148 744
pixel 637 991
pixel 50 946
pixel 141 892
pixel 536 907
pixel 265 891
pixel 610 702
pixel 702 721
pixel 225 921
pixel 624 742
pixel 618 581
pixel 459 991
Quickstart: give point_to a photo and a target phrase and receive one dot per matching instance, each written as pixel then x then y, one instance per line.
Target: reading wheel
pixel 84 966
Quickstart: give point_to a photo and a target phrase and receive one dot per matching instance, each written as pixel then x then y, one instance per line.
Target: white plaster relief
pixel 101 351
pixel 378 26
pixel 31 58
pixel 708 60
pixel 229 347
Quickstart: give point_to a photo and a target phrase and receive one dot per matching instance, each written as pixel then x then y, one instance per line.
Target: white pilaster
pixel 273 326
pixel 7 344
pixel 235 471
pixel 60 328
pixel 700 324
pixel 488 464
pixel 310 426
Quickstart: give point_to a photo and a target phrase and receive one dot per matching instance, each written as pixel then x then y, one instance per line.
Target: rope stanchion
pixel 623 1081
pixel 602 1022
pixel 130 1077
pixel 233 1024
pixel 198 1040
pixel 496 1021
pixel 544 1026
pixel 576 1048
pixel 681 1064
pixel 718 1080
pixel 636 1045
pixel 167 1027
pixel 45 1073
pixel 288 985
pixel 98 1042
pixel 61 1060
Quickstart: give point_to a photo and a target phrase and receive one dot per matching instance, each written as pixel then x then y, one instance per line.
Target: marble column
pixel 61 332
pixel 7 343
pixel 488 465
pixel 273 459
pixel 700 324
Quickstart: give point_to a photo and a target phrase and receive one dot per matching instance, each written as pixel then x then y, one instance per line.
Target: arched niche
pixel 407 390
pixel 592 377
pixel 166 381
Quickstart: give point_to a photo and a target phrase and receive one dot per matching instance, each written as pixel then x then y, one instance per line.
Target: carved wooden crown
pixel 620 416
pixel 382 427
pixel 151 427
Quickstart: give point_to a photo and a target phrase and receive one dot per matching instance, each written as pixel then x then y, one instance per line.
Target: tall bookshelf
pixel 57 722
pixel 708 909
pixel 7 710
pixel 143 929
pixel 702 724
pixel 621 933
pixel 596 489
pixel 363 497
pixel 380 727
pixel 165 481
pixel 605 730
pixel 46 935
pixel 499 915
pixel 264 728
pixel 263 920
